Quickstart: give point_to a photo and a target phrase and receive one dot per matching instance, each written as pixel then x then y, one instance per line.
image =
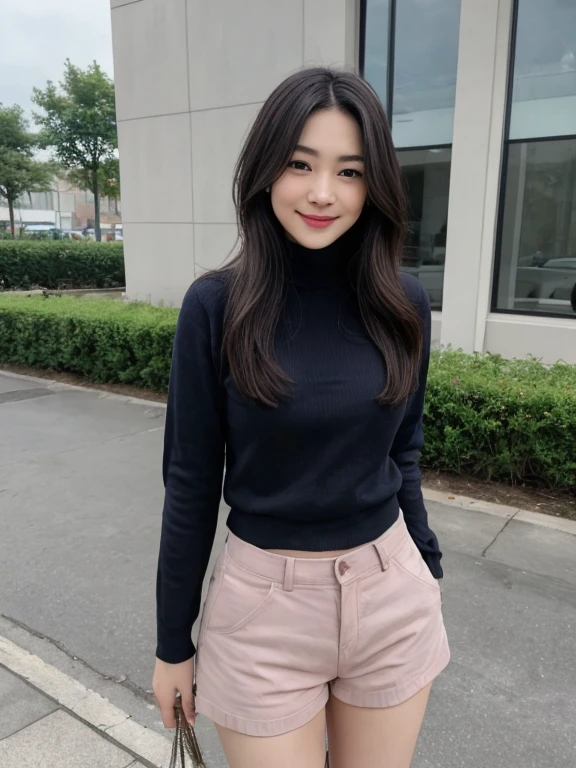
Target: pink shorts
pixel 278 634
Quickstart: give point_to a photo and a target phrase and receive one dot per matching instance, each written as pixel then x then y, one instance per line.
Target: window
pixel 413 70
pixel 536 256
pixel 544 84
pixel 410 57
pixel 537 270
pixel 376 46
pixel 425 62
pixel 427 172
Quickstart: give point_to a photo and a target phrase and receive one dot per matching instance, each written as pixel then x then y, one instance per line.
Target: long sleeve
pixel 406 451
pixel 193 466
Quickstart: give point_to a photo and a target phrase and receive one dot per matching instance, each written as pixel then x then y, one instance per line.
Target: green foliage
pixel 79 124
pixel 109 179
pixel 502 419
pixel 60 264
pixel 101 339
pixel 19 172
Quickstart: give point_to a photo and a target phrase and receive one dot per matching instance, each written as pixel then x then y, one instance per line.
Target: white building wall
pixel 190 77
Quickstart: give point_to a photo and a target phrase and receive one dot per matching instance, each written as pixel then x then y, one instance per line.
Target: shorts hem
pixel 393 696
pixel 262 728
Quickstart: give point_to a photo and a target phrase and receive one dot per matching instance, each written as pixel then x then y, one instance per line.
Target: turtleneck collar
pixel 318 268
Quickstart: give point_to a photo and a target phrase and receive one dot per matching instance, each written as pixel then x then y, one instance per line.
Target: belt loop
pixel 383 555
pixel 289 574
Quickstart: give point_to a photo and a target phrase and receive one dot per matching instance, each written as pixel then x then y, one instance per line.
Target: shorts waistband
pixel 293 571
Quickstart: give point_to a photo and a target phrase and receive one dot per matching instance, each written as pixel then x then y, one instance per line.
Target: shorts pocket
pixel 409 559
pixel 241 597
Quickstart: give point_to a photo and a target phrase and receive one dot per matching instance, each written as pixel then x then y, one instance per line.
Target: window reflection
pixel 427 172
pixel 544 91
pixel 425 61
pixel 425 53
pixel 376 46
pixel 538 245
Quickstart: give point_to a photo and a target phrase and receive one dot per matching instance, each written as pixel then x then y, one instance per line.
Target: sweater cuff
pixel 175 649
pixel 432 560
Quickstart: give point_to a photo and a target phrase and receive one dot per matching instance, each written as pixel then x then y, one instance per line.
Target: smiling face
pixel 321 193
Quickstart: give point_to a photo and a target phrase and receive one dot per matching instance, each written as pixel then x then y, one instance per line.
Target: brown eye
pixel 351 173
pixel 299 165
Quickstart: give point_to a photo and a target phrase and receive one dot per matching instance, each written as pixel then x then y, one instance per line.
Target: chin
pixel 314 240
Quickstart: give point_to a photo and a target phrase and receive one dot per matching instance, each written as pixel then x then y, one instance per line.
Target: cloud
pixel 39 35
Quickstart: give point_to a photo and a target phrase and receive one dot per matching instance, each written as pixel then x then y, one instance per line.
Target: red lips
pixel 317 222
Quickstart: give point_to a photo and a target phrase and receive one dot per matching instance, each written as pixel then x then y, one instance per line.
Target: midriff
pixel 310 555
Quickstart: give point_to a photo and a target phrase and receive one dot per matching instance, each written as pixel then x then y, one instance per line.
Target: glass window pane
pixel 427 172
pixel 376 46
pixel 537 270
pixel 544 88
pixel 425 62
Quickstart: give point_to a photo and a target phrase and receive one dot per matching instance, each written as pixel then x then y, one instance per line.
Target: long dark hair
pixel 256 277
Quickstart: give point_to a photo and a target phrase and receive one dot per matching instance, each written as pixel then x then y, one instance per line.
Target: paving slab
pixel 13 384
pixel 470 533
pixel 529 547
pixel 61 741
pixel 20 704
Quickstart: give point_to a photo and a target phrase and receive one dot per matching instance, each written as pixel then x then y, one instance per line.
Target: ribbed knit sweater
pixel 326 470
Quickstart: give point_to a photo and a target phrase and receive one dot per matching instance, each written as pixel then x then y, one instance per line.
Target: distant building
pixel 65 207
pixel 481 95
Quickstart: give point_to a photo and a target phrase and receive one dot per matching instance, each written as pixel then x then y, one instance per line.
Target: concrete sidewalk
pixel 49 719
pixel 80 500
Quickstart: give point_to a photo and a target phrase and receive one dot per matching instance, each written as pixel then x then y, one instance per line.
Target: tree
pixel 109 179
pixel 79 124
pixel 20 173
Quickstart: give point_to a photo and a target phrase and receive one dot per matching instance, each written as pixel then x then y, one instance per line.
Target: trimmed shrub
pixel 60 264
pixel 497 419
pixel 502 419
pixel 102 339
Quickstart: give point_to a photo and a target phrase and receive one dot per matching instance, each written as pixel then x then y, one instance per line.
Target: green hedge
pixel 102 339
pixel 60 264
pixel 487 416
pixel 502 419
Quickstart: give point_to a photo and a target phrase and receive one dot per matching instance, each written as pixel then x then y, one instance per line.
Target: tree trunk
pixel 96 191
pixel 11 212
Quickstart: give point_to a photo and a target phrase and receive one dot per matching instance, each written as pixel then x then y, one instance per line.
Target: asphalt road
pixel 80 502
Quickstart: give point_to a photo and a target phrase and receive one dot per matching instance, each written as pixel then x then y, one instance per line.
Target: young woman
pixel 303 363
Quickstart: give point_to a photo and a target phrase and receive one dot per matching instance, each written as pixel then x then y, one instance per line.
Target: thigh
pixel 363 737
pixel 304 747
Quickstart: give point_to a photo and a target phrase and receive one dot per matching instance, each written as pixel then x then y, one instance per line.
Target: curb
pixel 60 385
pixel 500 510
pixel 113 723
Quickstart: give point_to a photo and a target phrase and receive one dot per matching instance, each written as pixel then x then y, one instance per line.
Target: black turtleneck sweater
pixel 326 470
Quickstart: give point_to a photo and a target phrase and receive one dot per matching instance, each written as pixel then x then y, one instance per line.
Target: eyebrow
pixel 315 153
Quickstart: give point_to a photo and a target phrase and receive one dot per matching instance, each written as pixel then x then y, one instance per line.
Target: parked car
pixel 555 280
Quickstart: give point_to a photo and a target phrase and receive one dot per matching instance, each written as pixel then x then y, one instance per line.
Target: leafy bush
pixel 502 419
pixel 102 339
pixel 494 418
pixel 60 264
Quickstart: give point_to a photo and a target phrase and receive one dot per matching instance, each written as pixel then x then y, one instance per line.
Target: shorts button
pixel 343 567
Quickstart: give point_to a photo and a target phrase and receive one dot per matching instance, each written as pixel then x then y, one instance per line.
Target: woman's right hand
pixel 168 680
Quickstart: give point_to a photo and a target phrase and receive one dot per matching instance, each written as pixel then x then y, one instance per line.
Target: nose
pixel 321 191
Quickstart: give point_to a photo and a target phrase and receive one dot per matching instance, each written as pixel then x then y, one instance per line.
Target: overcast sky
pixel 39 35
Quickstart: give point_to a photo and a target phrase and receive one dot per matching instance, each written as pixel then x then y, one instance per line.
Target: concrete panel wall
pixel 190 77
